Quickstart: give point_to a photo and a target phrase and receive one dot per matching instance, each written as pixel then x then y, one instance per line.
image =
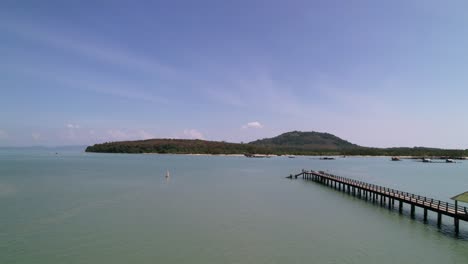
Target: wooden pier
pixel 387 196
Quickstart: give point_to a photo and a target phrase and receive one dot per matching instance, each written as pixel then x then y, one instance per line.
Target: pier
pixel 387 196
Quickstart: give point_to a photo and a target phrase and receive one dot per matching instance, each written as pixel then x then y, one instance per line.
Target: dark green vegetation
pixel 305 141
pixel 297 143
pixel 177 146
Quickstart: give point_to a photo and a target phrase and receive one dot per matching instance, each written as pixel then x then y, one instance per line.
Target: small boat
pixel 396 159
pixel 426 160
pixel 248 155
pixel 291 157
pixel 327 158
pixel 167 174
pixel 450 161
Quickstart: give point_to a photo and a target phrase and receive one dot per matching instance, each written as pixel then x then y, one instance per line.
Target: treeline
pixel 185 146
pixel 177 146
pixel 415 152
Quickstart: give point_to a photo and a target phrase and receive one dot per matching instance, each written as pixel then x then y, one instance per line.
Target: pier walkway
pixel 387 196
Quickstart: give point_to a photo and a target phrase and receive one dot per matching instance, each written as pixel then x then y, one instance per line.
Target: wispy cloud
pixel 193 134
pixel 143 134
pixel 119 134
pixel 254 124
pixel 74 79
pixel 72 126
pixel 257 89
pixel 89 48
pixel 82 78
pixel 116 134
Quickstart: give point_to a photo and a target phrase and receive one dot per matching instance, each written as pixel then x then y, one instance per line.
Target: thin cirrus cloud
pixel 81 78
pixel 88 48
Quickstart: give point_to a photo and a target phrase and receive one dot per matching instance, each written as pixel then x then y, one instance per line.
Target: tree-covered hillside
pixel 296 143
pixel 306 140
pixel 177 146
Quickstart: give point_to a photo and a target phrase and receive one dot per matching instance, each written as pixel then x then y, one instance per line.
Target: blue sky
pixel 377 73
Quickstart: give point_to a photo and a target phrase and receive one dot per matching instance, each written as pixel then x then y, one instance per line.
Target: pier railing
pixel 434 204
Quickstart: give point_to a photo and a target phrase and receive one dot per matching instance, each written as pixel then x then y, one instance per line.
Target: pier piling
pixel 387 196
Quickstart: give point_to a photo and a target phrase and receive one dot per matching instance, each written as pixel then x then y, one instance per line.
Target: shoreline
pixel 288 155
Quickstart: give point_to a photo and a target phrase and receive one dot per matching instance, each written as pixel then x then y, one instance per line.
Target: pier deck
pixel 387 196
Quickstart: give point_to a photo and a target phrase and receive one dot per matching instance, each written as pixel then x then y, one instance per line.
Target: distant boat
pixel 248 155
pixel 327 158
pixel 291 157
pixel 167 174
pixel 396 159
pixel 450 161
pixel 426 160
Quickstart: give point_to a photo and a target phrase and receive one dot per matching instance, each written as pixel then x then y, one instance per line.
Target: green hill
pixel 305 141
pixel 295 142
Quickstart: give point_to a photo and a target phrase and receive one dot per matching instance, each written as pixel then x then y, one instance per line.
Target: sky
pixel 376 73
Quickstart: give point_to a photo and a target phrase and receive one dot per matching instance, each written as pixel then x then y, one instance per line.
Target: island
pixel 290 143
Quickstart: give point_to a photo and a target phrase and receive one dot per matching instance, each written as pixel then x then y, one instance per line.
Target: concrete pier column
pixel 439 220
pixel 425 215
pixel 455 218
pixel 412 211
pixel 400 207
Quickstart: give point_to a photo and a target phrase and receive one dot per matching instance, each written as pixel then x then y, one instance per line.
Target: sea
pixel 68 206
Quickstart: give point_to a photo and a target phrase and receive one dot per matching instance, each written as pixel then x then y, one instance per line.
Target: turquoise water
pixel 76 207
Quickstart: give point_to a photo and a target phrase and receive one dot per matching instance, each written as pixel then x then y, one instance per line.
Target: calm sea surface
pixel 76 207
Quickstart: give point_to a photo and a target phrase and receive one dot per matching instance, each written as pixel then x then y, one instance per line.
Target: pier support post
pixel 389 204
pixel 455 218
pixel 425 215
pixel 400 207
pixel 439 220
pixel 412 211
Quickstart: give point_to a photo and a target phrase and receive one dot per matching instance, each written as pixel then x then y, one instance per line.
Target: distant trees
pixel 314 144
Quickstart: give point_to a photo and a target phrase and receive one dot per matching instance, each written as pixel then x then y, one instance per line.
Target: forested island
pixel 291 143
